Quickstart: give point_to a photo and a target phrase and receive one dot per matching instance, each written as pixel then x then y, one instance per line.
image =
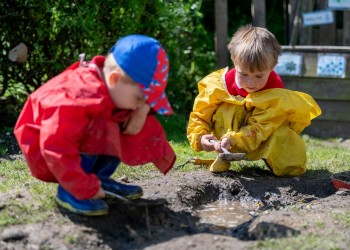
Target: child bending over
pixel 78 127
pixel 247 109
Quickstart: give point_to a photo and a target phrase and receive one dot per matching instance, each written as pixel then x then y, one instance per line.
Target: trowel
pixel 228 156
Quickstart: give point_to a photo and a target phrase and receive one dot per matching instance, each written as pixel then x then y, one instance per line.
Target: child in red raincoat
pixel 78 127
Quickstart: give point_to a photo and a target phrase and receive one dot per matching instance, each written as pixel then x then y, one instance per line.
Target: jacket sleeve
pixel 211 95
pixel 149 145
pixel 270 109
pixel 62 130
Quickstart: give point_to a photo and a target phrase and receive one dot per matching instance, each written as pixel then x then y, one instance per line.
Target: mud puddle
pixel 202 211
pixel 221 215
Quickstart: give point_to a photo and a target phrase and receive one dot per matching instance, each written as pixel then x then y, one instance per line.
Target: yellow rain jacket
pixel 265 124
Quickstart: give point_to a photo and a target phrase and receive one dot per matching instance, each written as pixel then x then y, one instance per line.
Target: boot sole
pixel 69 207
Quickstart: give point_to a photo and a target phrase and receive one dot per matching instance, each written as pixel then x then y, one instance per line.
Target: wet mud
pixel 170 216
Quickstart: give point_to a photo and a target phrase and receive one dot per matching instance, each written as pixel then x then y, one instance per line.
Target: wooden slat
pixel 328 129
pixel 334 111
pixel 306 32
pixel 320 88
pixel 221 33
pixel 317 49
pixel 327 31
pixel 259 13
pixel 346 28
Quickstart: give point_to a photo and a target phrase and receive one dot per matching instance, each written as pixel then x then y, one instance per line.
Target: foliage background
pixel 57 31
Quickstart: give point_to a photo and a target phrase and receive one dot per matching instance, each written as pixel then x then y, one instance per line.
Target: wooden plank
pixel 221 33
pixel 328 129
pixel 320 88
pixel 334 111
pixel 291 11
pixel 306 32
pixel 346 28
pixel 259 13
pixel 339 37
pixel 317 49
pixel 327 32
pixel 310 64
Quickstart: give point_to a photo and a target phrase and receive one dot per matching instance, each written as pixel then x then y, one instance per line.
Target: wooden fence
pixel 331 93
pixel 334 34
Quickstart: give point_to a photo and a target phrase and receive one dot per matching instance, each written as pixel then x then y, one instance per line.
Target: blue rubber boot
pixel 104 168
pixel 91 207
pixel 131 192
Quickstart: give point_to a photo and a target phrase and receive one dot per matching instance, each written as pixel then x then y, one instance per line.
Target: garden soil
pixel 168 216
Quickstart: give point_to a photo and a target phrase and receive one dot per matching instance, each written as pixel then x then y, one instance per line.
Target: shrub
pixel 56 32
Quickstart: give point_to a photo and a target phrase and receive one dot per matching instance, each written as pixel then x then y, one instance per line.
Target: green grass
pixel 343 218
pixel 324 158
pixel 19 209
pixel 304 242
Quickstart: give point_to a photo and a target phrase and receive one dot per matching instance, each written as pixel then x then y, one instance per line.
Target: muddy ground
pixel 168 215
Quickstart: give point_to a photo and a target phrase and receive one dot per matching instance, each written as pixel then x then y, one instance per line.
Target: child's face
pixel 251 81
pixel 125 93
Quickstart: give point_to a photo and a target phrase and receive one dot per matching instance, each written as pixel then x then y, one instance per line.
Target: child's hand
pixel 100 194
pixel 225 143
pixel 206 144
pixel 135 122
pixel 217 146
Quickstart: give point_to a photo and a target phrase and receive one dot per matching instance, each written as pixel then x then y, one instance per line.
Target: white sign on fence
pixel 339 4
pixel 289 64
pixel 318 17
pixel 331 65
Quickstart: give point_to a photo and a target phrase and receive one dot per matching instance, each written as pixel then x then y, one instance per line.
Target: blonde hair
pixel 254 48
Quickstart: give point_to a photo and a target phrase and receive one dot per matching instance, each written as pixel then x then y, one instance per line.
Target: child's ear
pixel 114 77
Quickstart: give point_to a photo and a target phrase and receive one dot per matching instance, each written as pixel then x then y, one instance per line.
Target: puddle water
pixel 221 215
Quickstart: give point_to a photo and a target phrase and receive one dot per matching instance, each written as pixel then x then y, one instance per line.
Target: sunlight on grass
pixel 326 155
pixel 324 158
pixel 343 218
pixel 12 174
pixel 18 212
pixel 28 200
pixel 303 242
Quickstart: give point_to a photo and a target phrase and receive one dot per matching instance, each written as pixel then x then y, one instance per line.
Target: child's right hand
pixel 206 144
pixel 217 146
pixel 99 195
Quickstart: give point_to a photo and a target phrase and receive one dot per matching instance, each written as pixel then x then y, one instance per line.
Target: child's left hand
pixel 225 143
pixel 136 120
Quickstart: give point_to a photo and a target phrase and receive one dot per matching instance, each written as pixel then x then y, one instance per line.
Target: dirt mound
pixel 168 218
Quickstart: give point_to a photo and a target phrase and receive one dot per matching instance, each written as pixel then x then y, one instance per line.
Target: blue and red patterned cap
pixel 146 62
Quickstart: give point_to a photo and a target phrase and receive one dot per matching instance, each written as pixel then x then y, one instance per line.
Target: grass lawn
pixel 324 157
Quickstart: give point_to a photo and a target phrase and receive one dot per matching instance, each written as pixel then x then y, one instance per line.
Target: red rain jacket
pixel 72 114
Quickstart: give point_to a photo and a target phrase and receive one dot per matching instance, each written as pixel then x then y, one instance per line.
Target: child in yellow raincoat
pixel 246 109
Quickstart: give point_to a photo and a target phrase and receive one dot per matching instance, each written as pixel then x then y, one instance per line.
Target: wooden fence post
pixel 306 32
pixel 221 32
pixel 259 13
pixel 346 28
pixel 327 34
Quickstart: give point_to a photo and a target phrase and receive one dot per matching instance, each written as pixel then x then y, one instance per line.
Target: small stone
pixel 124 178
